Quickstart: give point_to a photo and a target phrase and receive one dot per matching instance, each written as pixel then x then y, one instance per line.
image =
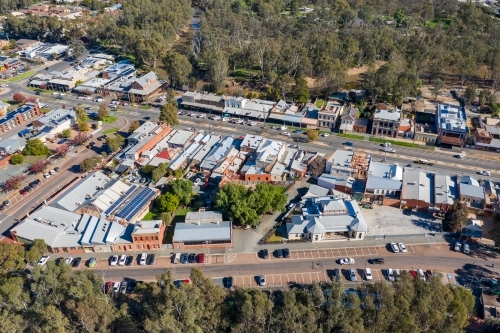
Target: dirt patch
pixel 354 75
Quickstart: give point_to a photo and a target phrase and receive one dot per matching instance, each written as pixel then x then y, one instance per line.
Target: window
pixel 146 238
pixel 72 248
pixel 141 239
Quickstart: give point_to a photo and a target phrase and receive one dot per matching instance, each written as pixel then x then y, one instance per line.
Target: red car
pixel 23 191
pixel 413 273
pixel 108 286
pixel 201 258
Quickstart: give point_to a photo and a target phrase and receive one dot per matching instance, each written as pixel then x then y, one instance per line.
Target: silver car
pixel 262 280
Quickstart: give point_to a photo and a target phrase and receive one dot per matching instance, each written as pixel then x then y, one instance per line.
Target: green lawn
pixel 110 130
pixel 351 136
pixel 108 120
pixel 276 237
pixel 399 143
pixel 145 107
pixel 149 216
pixel 320 103
pixel 23 76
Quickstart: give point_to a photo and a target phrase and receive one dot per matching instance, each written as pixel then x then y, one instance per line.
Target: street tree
pixel 66 134
pixel 115 143
pixel 14 182
pixel 103 111
pixel 168 113
pixel 89 163
pixel 312 134
pixel 19 98
pixel 38 166
pixel 80 138
pixel 134 125
pixel 456 217
pixel 62 150
pixel 17 159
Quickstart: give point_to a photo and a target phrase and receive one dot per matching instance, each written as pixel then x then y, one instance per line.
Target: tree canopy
pixel 245 206
pixel 456 217
pixel 182 189
pixel 36 147
pixel 168 113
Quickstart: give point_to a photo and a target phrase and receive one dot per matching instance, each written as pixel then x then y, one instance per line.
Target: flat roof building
pixel 451 125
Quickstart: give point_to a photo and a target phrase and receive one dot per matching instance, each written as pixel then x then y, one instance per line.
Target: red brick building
pixel 20 116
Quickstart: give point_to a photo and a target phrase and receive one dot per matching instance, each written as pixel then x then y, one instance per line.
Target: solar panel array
pixel 136 204
pixel 120 200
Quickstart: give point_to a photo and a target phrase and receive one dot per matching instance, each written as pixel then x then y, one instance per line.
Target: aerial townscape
pixel 173 166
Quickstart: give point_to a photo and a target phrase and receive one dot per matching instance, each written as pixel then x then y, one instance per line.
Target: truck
pixel 423 161
pixel 458 246
pixel 177 258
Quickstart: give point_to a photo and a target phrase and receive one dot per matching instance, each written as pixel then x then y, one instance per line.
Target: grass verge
pixel 351 136
pixel 107 120
pixel 145 107
pixel 111 130
pixel 149 216
pixel 22 76
pixel 275 237
pixel 398 143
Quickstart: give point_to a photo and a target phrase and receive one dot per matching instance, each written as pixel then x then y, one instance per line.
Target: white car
pixel 189 175
pixel 352 274
pixel 123 287
pixel 142 261
pixel 368 274
pixel 484 173
pixel 389 150
pixel 197 181
pixel 346 261
pixel 226 119
pixel 121 262
pixel 99 100
pixel 47 175
pixel 466 248
pixel 69 260
pixel 239 121
pixel 62 94
pixel 202 115
pixel 43 260
pixel 285 133
pixel 386 144
pixel 52 172
pixel 253 123
pixel 397 275
pixel 114 260
pixel 402 247
pixel 325 135
pixel 216 118
pixel 87 98
pixel 460 156
pixel 283 128
pixel 55 93
pixel 390 274
pixel 421 274
pixel 262 280
pixel 116 287
pixel 394 248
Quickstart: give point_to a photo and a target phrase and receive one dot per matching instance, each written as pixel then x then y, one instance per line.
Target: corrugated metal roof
pixel 190 232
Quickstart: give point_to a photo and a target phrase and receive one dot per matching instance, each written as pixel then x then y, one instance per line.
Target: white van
pixel 390 274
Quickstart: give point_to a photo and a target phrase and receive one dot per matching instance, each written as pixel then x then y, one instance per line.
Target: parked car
pixel 460 156
pixel 142 260
pixel 150 260
pixel 336 275
pixel 189 175
pixel 116 287
pixel 108 286
pixel 56 169
pixel 197 181
pixel 92 262
pixel 390 274
pixel 484 173
pixel 76 262
pixel 43 260
pixel 421 274
pixel 368 274
pixel 397 274
pixel 184 258
pixel 68 260
pixel 285 133
pixel 114 261
pixel 402 247
pixel 192 258
pixel 264 254
pixel 376 261
pixel 348 143
pixel 394 247
pixel 325 135
pixel 129 260
pixel 200 259
pixel 286 253
pixel 262 280
pixel 122 260
pixel 352 274
pixel 466 248
pixel 283 128
pixel 23 191
pixel 252 123
pixel 346 261
pixel 228 282
pixel 52 172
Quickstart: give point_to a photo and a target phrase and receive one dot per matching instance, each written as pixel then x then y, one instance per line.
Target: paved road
pixel 20 205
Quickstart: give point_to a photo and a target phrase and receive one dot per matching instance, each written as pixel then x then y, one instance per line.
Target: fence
pixel 428 234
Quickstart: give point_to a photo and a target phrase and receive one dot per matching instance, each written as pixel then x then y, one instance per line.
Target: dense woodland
pixel 270 44
pixel 53 299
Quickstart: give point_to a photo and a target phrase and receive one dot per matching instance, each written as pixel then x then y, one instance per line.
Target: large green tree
pixel 168 113
pixel 178 68
pixel 456 217
pixel 182 189
pixel 36 147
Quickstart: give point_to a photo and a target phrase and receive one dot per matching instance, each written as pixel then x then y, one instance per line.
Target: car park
pixel 68 260
pixel 402 247
pixel 122 260
pixel 192 258
pixel 286 253
pixel 278 253
pixel 142 259
pixel 336 275
pixel 76 262
pixel 114 261
pixel 262 280
pixel 200 259
pixel 368 274
pixel 346 261
pixel 394 248
pixel 390 274
pixel 184 258
pixel 116 287
pixel 43 260
pixel 352 274
pixel 264 253
pixel 376 261
pixel 92 262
